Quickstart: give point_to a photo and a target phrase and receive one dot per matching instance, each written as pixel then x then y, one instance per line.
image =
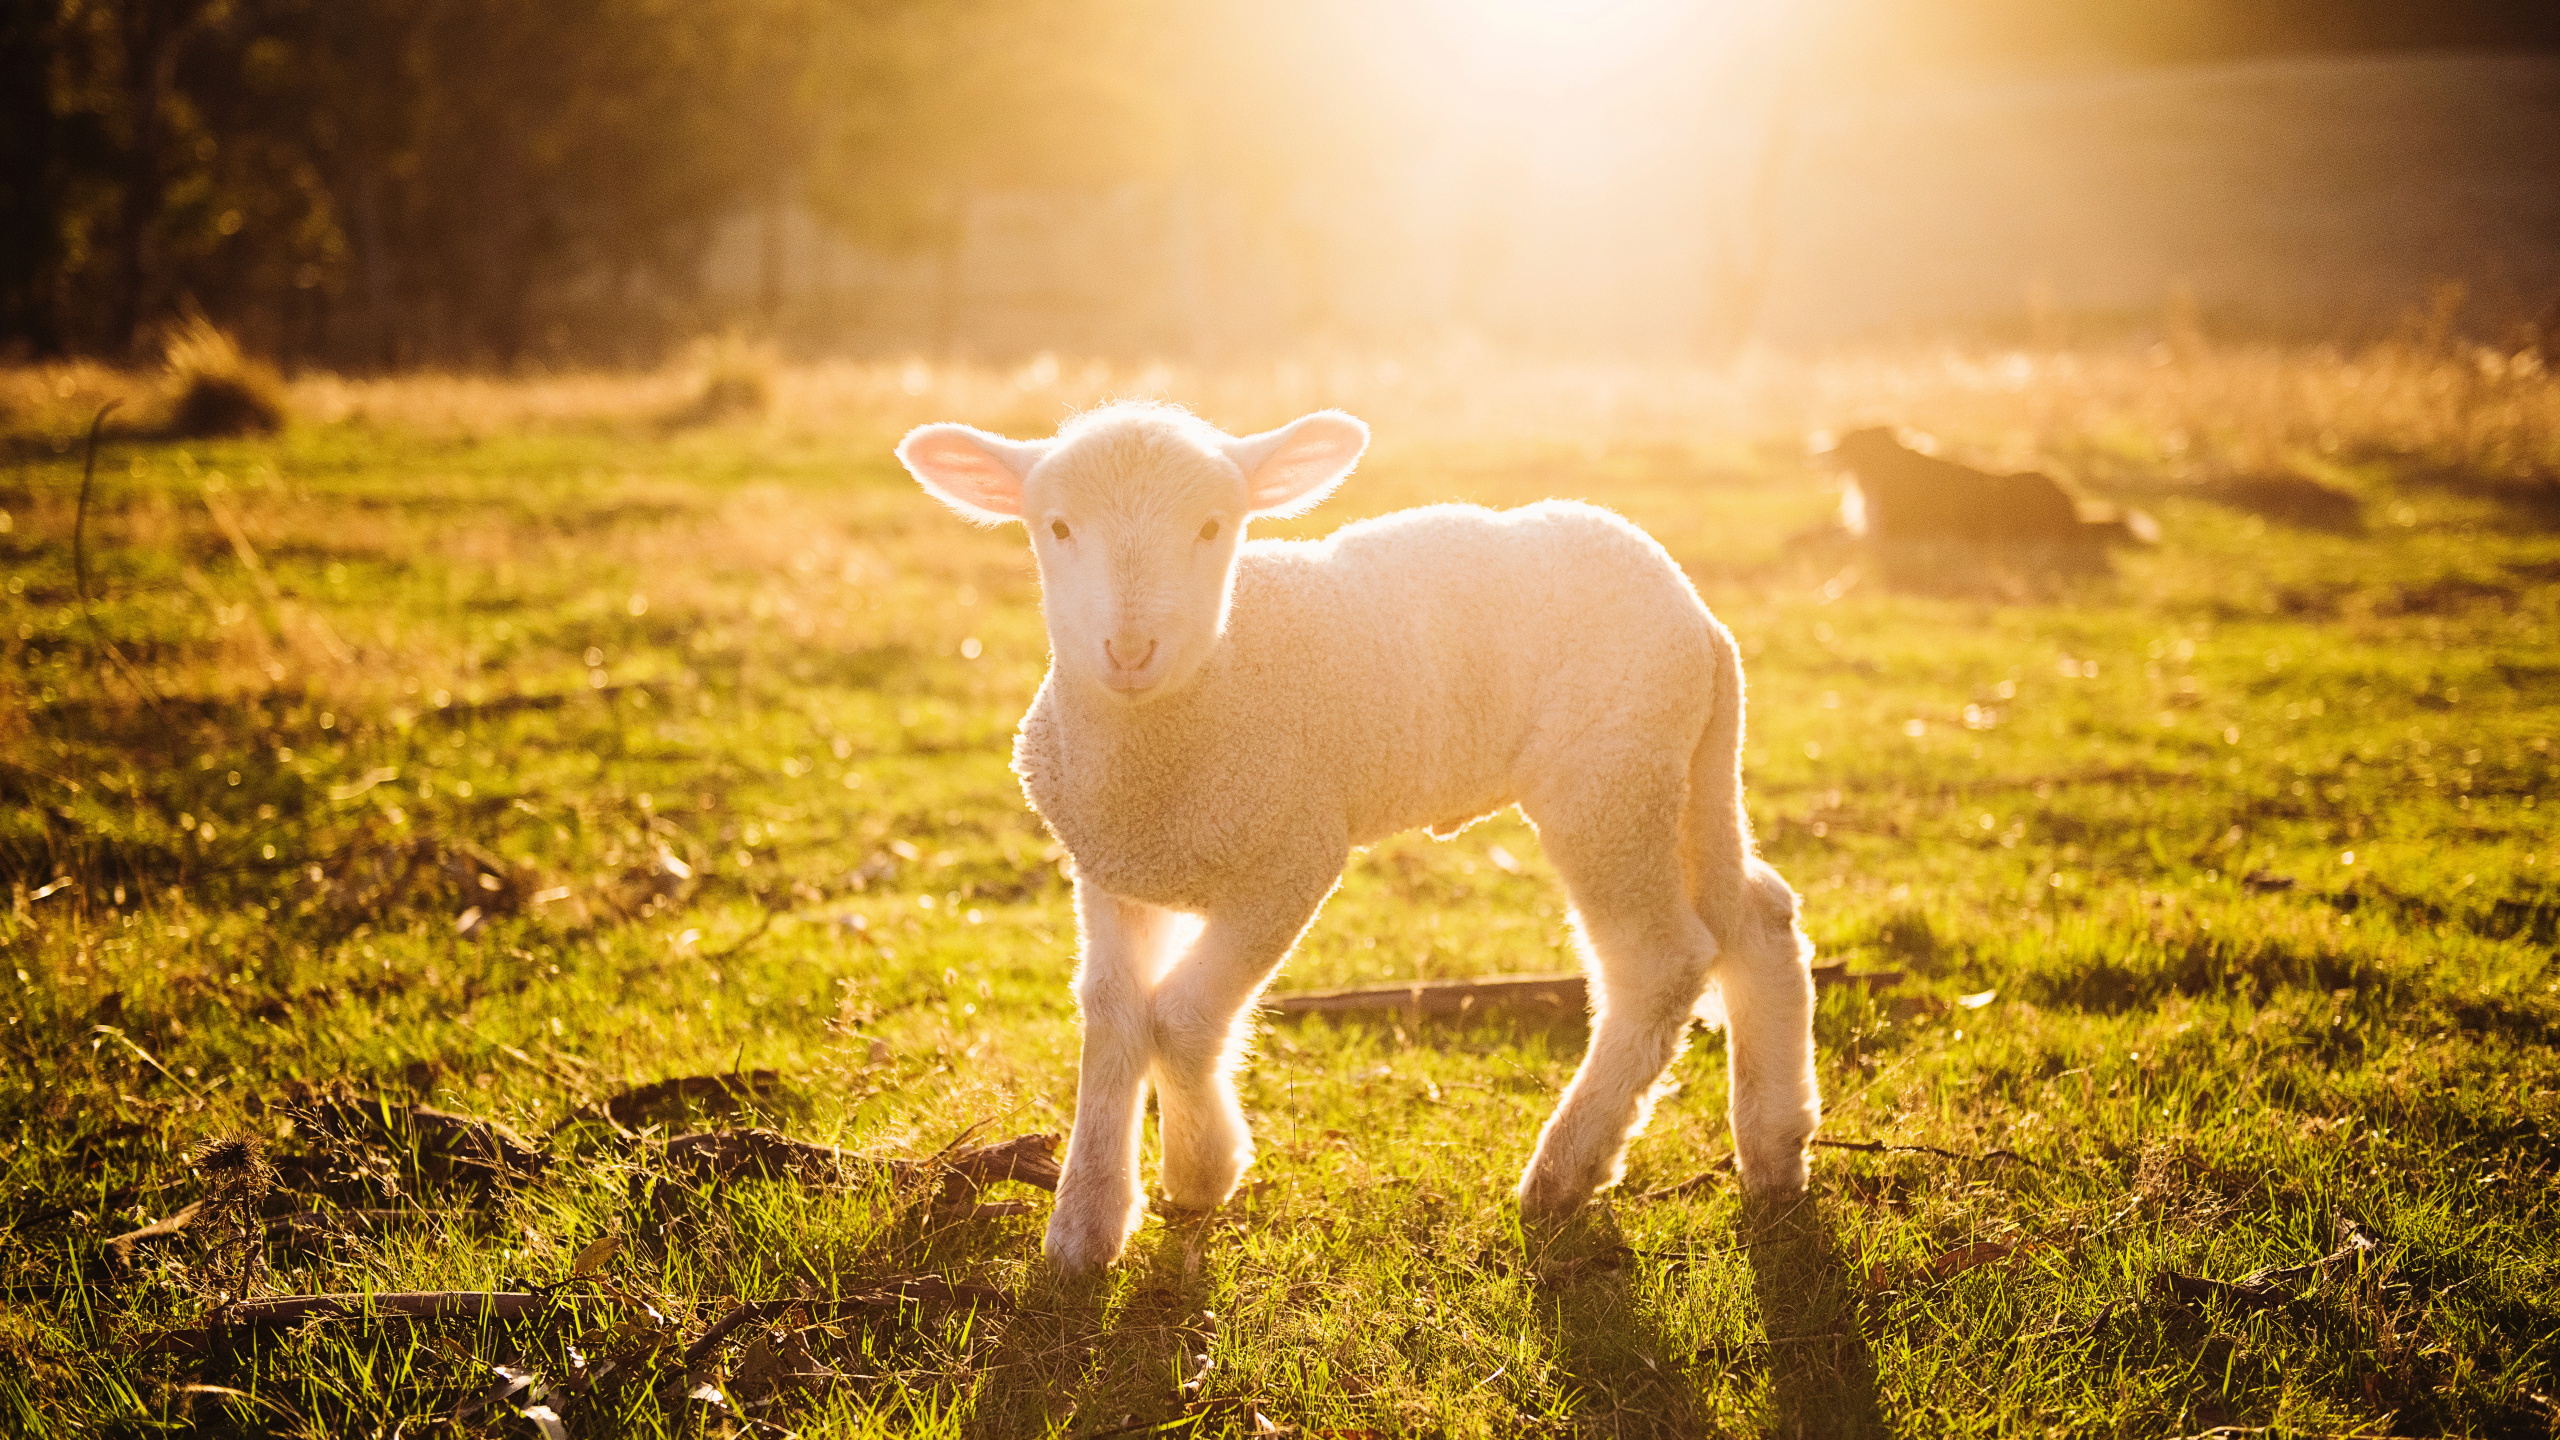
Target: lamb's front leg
pixel 1099 1202
pixel 1203 1019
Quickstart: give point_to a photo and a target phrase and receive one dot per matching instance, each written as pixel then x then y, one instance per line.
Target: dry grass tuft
pixel 737 379
pixel 220 390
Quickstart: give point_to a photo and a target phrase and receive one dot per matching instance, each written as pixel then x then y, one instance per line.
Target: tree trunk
pixel 30 183
pixel 373 263
pixel 770 262
pixel 151 41
pixel 946 281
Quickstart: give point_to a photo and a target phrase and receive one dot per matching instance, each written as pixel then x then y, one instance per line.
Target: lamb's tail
pixel 1715 832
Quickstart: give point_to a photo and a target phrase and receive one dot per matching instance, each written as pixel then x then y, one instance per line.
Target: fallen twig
pixel 403 1304
pixel 1561 993
pixel 2261 1288
pixel 2356 1244
pixel 1699 1181
pixel 225 1392
pixel 121 1248
pixel 1194 1414
pixel 732 950
pixel 703 1349
pixel 1878 1147
pixel 307 1225
pixel 146 1057
pixel 2234 1432
pixel 916 1290
pixel 2090 1326
pixel 1029 1159
pixel 553 700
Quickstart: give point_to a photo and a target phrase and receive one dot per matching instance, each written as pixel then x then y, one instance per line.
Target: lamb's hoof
pixel 1084 1240
pixel 1202 1192
pixel 1782 1177
pixel 1198 1200
pixel 1546 1196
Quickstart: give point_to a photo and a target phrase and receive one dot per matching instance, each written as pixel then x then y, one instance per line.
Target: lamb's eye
pixel 1209 531
pixel 1058 528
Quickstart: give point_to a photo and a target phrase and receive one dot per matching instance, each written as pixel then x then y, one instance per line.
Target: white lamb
pixel 1223 722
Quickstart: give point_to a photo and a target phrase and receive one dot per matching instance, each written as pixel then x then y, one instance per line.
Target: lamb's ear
pixel 1288 470
pixel 978 474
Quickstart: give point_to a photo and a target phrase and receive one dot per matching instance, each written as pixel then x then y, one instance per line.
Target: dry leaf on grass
pixel 1878 1147
pixel 1970 1257
pixel 593 1258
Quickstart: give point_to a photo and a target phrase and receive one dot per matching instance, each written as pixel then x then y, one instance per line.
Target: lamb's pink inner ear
pixel 1292 468
pixel 958 466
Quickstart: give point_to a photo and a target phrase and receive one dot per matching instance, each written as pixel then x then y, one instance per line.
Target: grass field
pixel 360 767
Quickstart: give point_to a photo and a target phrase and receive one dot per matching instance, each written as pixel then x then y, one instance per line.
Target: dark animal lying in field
pixel 2294 500
pixel 1898 493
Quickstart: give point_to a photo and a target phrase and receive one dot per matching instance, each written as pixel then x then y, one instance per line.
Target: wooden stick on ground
pixel 1878 1147
pixel 121 1248
pixel 405 1304
pixel 1559 994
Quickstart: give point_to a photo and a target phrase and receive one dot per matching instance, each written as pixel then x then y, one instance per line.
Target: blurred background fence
pixel 376 184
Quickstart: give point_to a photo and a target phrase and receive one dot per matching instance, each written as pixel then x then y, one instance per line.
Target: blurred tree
pixel 33 168
pixel 379 181
pixel 384 182
pixel 921 105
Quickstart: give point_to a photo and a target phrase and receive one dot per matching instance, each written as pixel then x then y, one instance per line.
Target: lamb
pixel 1224 721
pixel 1897 492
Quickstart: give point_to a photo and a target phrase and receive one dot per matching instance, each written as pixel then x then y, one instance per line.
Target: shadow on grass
pixel 2528 497
pixel 1822 1379
pixel 1618 1365
pixel 2011 572
pixel 1071 1361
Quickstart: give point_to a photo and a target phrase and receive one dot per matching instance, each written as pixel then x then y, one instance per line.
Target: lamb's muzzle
pixel 1291 700
pixel 1127 673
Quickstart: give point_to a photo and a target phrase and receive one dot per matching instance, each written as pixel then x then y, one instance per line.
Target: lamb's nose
pixel 1115 651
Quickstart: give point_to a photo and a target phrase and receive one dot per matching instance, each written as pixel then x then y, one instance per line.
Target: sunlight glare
pixel 1551 44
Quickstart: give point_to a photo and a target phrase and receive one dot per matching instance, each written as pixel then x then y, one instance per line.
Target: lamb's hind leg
pixel 1648 956
pixel 1767 989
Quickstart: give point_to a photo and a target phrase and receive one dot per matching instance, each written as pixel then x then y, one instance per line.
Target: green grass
pixel 550 651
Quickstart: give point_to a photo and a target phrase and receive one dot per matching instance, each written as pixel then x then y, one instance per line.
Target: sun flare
pixel 1563 43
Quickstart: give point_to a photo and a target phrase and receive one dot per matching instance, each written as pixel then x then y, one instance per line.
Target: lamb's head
pixel 1135 513
pixel 1868 445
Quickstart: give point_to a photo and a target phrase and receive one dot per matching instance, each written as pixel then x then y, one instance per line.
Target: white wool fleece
pixel 1395 674
pixel 1423 668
